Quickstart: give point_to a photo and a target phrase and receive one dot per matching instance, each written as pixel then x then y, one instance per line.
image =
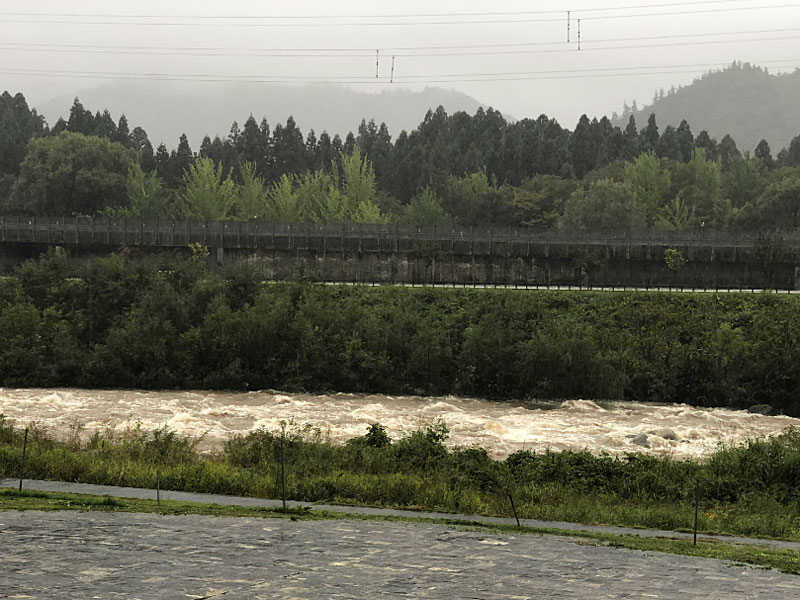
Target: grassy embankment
pixel 750 490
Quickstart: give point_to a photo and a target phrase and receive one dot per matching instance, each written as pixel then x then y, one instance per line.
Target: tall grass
pixel 749 489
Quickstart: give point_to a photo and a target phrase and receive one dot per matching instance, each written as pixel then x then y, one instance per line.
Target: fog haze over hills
pixel 745 101
pixel 167 109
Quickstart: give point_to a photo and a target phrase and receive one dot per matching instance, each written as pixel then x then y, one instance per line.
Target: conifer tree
pixel 179 161
pixel 707 143
pixel 630 148
pixel 764 154
pixel 650 136
pixel 80 120
pixel 140 143
pixel 123 132
pixel 669 145
pixel 685 141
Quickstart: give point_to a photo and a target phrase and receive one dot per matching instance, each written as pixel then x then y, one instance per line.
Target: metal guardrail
pixel 255 234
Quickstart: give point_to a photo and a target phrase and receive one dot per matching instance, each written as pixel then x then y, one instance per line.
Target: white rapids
pixel 500 427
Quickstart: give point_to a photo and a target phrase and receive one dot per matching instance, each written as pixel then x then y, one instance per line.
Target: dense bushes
pixel 166 322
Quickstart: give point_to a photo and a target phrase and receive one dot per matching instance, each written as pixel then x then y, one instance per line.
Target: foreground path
pixel 126 492
pixel 78 555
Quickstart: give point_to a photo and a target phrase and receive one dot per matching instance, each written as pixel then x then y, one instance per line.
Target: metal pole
pixel 696 508
pixel 158 487
pixel 22 462
pixel 283 468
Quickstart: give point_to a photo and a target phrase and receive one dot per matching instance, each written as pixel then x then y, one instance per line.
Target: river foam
pixel 501 428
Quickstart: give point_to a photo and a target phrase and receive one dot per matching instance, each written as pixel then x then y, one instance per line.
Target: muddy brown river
pixel 501 428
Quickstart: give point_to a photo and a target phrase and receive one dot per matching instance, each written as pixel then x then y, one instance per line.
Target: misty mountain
pixel 167 109
pixel 743 100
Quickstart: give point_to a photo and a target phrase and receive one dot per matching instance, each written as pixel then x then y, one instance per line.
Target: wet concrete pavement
pixel 74 554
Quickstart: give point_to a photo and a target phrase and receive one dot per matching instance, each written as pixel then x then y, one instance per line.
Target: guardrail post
pixel 22 462
pixel 696 508
pixel 283 465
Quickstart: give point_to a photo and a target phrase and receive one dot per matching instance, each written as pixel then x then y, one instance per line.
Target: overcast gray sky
pixel 562 94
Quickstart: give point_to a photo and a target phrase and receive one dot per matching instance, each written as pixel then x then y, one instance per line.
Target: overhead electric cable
pixel 517 19
pixel 443 78
pixel 599 69
pixel 363 52
pixel 367 16
pixel 585 48
pixel 341 82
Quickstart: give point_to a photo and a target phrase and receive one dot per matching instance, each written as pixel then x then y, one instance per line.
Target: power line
pixel 433 78
pixel 364 52
pixel 692 12
pixel 366 81
pixel 601 69
pixel 584 47
pixel 367 16
pixel 518 19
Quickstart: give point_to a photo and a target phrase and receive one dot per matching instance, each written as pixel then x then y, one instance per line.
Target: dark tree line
pixel 470 169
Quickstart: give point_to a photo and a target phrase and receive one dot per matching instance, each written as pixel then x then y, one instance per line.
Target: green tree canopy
pixel 651 184
pixel 148 198
pixel 778 207
pixel 251 195
pixel 207 195
pixel 72 174
pixel 539 201
pixel 605 205
pixel 426 209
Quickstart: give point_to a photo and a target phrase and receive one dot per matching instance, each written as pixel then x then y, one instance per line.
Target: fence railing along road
pixel 256 235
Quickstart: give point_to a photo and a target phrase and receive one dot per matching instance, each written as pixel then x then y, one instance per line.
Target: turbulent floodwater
pixel 501 428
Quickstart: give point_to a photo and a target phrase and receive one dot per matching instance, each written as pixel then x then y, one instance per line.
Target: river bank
pixel 164 322
pixel 747 489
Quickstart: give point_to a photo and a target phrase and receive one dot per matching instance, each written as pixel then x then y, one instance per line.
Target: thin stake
pixel 696 508
pixel 391 80
pixel 22 462
pixel 283 469
pixel 158 487
pixel 514 509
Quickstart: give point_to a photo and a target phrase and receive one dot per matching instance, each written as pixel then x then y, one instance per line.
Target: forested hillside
pixel 466 169
pixel 743 100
